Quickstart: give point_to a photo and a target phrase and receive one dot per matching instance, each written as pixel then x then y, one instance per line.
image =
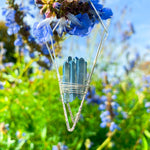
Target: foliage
pixel 34 113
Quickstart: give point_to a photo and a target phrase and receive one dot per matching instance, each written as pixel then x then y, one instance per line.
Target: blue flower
pixel 84 28
pixel 1 85
pixel 18 41
pixel 105 114
pixel 103 98
pixel 45 50
pixel 147 104
pixel 46 60
pixel 42 31
pixel 60 147
pixel 13 27
pixel 113 126
pixel 31 2
pixel 115 105
pixel 103 124
pixel 26 10
pixel 148 110
pixel 32 55
pixel 114 97
pixel 106 90
pixel 8 64
pixel 102 107
pixel 10 16
pixel 96 4
pixel 91 97
pixel 106 13
pixel 54 147
pixel 4 11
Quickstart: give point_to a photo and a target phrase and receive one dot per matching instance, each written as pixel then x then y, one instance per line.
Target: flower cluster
pixel 110 108
pixel 75 17
pixel 14 17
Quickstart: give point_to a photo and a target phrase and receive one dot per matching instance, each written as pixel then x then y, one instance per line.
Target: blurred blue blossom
pixel 106 90
pixel 91 97
pixel 42 31
pixel 60 146
pixel 84 28
pixel 106 13
pixel 102 107
pixel 31 2
pixel 2 85
pixel 8 64
pixel 113 126
pixel 103 98
pixel 114 97
pixel 18 41
pixel 147 106
pixel 13 27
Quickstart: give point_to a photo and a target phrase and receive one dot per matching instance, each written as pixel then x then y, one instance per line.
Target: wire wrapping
pixel 70 88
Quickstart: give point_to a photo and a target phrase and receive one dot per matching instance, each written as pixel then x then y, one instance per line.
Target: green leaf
pixel 144 143
pixel 147 133
pixel 43 133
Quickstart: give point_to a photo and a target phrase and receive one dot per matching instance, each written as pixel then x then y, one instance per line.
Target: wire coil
pixel 73 88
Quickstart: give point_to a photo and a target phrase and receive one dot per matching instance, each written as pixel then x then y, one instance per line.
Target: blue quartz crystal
pixel 74 71
pixel 66 79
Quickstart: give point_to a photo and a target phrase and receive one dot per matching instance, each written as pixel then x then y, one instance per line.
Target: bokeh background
pixel 116 111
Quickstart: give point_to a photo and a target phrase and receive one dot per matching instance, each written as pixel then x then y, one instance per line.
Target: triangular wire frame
pixel 103 38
